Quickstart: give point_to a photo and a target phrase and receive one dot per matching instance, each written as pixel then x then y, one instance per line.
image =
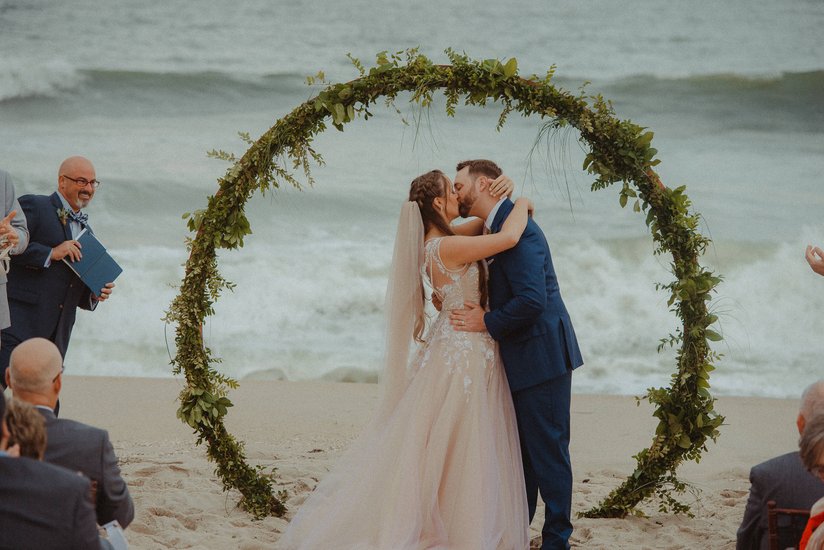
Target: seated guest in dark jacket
pixel 783 479
pixel 42 506
pixel 812 455
pixel 35 376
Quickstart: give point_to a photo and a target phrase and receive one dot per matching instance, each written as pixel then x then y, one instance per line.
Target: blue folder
pixel 96 268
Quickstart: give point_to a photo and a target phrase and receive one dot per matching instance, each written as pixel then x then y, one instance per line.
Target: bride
pixel 439 466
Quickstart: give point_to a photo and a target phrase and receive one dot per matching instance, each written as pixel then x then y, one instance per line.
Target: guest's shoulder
pixel 57 478
pixel 79 429
pixel 777 465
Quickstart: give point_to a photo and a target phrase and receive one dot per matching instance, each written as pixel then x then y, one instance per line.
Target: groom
pixel 537 343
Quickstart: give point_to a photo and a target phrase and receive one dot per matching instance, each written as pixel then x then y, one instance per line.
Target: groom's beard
pixel 466 204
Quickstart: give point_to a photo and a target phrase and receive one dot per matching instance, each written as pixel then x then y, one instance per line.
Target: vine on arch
pixel 618 152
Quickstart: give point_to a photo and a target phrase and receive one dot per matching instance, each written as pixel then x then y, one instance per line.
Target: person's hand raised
pixel 7 231
pixel 815 257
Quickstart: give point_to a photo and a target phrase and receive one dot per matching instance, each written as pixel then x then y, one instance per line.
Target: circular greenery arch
pixel 618 152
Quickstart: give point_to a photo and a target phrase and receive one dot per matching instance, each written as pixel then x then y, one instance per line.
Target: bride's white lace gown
pixel 442 468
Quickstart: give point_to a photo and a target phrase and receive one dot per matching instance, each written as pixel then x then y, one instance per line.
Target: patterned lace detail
pixel 471 357
pixel 463 282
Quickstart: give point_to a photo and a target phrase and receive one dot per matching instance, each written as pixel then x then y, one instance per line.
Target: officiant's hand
pixel 105 292
pixel 469 319
pixel 67 248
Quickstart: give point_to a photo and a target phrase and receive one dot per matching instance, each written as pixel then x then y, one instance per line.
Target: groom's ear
pixel 483 183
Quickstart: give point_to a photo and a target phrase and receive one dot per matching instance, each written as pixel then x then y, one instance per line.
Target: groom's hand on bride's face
pixel 469 319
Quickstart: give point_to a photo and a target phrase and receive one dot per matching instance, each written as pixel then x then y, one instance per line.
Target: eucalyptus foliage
pixel 618 152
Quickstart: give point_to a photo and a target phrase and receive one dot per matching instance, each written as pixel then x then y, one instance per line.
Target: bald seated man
pixel 43 506
pixel 35 376
pixel 783 479
pixel 43 292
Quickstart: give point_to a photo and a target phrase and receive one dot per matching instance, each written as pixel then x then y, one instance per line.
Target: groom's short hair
pixel 480 167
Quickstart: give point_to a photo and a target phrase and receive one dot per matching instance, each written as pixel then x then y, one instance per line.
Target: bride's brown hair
pixel 424 190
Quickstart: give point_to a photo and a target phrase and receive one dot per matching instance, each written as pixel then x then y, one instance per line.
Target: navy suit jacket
pixel 784 480
pixel 86 449
pixel 44 507
pixel 43 300
pixel 527 316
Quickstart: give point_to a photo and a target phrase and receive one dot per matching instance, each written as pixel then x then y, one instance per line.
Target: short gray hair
pixel 812 441
pixel 812 400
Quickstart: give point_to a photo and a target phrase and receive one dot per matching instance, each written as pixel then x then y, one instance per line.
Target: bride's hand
pixel 501 186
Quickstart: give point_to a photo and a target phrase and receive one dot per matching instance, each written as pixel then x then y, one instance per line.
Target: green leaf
pixel 645 139
pixel 339 114
pixel 712 335
pixel 511 67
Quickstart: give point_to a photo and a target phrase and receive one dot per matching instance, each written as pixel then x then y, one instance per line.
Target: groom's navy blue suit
pixel 43 300
pixel 537 343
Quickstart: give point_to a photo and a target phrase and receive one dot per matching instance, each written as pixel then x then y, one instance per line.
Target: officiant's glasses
pixel 62 368
pixel 83 182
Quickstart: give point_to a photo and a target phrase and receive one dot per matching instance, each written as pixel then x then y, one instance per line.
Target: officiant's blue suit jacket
pixel 528 318
pixel 42 300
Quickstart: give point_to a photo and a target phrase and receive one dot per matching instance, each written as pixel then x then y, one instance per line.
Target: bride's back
pixel 454 287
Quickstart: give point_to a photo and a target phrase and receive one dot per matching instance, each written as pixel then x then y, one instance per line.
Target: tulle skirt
pixel 438 469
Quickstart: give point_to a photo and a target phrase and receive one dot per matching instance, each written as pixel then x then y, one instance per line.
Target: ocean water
pixel 733 92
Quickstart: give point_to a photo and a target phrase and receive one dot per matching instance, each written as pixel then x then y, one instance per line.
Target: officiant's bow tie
pixel 82 219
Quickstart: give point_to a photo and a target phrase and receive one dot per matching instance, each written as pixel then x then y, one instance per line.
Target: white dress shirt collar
pixel 493 213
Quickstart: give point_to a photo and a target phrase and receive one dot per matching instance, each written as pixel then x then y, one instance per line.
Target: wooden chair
pixel 785 525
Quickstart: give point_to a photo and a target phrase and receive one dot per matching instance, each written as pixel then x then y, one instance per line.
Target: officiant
pixel 43 291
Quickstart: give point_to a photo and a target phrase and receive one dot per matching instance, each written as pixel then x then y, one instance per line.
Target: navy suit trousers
pixel 543 426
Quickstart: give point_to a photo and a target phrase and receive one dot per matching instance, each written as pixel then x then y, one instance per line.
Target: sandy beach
pixel 301 427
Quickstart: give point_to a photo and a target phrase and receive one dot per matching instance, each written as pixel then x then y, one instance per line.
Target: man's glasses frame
pixel 83 182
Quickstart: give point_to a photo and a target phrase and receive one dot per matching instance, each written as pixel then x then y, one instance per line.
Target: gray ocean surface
pixel 734 92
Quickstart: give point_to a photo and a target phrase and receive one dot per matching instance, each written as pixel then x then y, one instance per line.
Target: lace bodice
pixel 454 287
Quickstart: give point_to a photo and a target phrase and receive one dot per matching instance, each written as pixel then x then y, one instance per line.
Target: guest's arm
pixel 84 532
pixel 113 499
